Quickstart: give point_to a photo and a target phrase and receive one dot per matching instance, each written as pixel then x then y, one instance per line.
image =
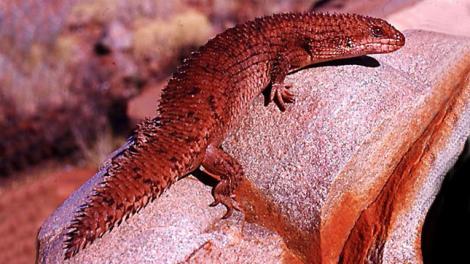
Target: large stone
pixel 346 174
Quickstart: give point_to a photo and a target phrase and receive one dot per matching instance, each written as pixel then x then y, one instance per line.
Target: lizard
pixel 202 103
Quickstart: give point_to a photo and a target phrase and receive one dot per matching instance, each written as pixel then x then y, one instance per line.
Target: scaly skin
pixel 203 101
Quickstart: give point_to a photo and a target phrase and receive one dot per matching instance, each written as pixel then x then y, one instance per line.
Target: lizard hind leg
pixel 223 167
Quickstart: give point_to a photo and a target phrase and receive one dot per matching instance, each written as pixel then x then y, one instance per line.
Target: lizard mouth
pixel 386 45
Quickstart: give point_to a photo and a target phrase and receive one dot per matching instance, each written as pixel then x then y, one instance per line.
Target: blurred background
pixel 77 75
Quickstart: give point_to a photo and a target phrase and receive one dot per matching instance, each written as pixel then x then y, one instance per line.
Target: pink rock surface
pixel 449 17
pixel 389 229
pixel 362 143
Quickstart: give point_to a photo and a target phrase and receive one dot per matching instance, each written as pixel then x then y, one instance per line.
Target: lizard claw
pixel 214 204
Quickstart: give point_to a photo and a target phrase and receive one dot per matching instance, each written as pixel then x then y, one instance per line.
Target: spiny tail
pixel 136 174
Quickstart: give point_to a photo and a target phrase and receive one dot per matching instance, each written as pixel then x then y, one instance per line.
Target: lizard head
pixel 375 35
pixel 355 35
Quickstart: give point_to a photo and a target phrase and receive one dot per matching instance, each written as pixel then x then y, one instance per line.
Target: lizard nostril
pixel 400 38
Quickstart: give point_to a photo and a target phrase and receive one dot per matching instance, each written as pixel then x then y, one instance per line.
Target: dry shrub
pixel 38 85
pixel 29 75
pixel 158 39
pixel 93 11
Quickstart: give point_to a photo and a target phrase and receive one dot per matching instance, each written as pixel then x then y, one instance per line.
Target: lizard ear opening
pixel 349 42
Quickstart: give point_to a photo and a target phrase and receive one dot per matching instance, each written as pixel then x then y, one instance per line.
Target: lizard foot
pixel 221 166
pixel 223 195
pixel 281 95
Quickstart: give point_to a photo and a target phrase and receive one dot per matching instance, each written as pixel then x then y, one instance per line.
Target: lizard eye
pixel 377 32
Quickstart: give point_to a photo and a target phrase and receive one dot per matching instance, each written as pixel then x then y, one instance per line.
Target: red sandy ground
pixel 26 203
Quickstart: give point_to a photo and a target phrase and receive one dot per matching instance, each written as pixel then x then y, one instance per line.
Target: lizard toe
pixel 287 96
pixel 280 95
pixel 223 195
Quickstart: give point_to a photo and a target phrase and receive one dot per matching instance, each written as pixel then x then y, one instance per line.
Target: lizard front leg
pixel 224 168
pixel 279 90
